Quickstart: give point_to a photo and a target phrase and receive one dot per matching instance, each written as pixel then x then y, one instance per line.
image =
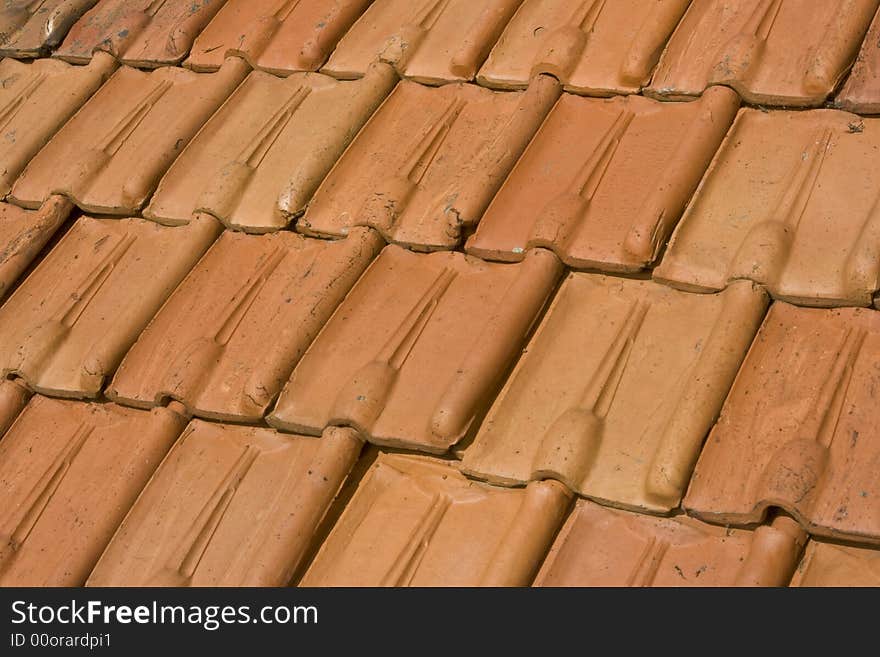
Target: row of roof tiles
pixel 413 356
pixel 765 196
pixel 237 505
pixel 773 52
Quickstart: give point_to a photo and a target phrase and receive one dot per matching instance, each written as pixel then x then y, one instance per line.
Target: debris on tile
pixel 230 506
pixel 780 206
pixel 111 155
pixel 31 29
pixel 604 182
pixel 599 546
pixel 228 338
pixel 67 326
pixel 430 41
pixel 277 36
pixel 14 397
pixel 617 390
pixel 416 521
pixel 260 158
pixel 418 348
pixel 828 564
pixel 143 33
pixel 594 47
pixel 425 167
pixel 23 233
pixel 772 52
pixel 69 472
pixel 800 428
pixel 861 92
pixel 36 99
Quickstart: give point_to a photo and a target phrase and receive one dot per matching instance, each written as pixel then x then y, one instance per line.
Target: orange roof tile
pixel 432 41
pixel 594 47
pixel 138 32
pixel 599 546
pixel 67 326
pixel 415 351
pixel 773 52
pixel 279 36
pixel 415 521
pixel 828 564
pixel 800 428
pixel 228 338
pixel 604 182
pixel 110 156
pixel 69 472
pixel 230 506
pixel 258 161
pixel 780 206
pixel 617 390
pixel 426 165
pixel 29 29
pixel 861 93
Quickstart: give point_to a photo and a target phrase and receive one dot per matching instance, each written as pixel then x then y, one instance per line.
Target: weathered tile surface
pixel 30 29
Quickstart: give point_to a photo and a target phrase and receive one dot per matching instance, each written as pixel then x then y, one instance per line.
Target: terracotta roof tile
pixel 426 165
pixel 67 326
pixel 36 98
pixel 29 29
pixel 228 338
pixel 599 546
pixel 595 47
pixel 780 205
pixel 617 389
pixel 432 41
pixel 827 564
pixel 110 156
pixel 604 181
pixel 69 472
pixel 416 350
pixel 861 93
pixel 773 52
pixel 279 36
pixel 230 506
pixel 416 521
pixel 258 161
pixel 23 233
pixel 139 32
pixel 800 427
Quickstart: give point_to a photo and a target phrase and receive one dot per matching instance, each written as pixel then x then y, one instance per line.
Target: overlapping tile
pixel 279 36
pixel 604 182
pixel 780 205
pixel 146 33
pixel 416 521
pixel 230 506
pixel 827 564
pixel 69 472
pixel 36 99
pixel 23 233
pixel 800 429
pixel 67 326
pixel 861 92
pixel 599 546
pixel 417 349
pixel 258 161
pixel 773 52
pixel 432 41
pixel 13 398
pixel 228 338
pixel 595 47
pixel 30 29
pixel 424 168
pixel 109 157
pixel 617 389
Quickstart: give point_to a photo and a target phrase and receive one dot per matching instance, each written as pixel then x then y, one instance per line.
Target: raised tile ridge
pixel 861 92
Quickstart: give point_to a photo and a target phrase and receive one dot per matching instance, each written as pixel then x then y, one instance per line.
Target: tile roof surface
pixel 439 292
